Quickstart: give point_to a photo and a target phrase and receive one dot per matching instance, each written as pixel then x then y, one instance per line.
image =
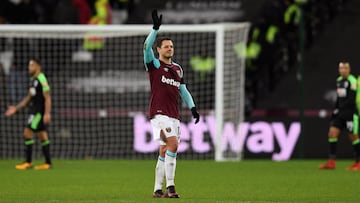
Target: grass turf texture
pixel 248 181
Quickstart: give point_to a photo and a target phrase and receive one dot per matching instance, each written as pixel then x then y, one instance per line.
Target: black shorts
pixel 346 120
pixel 36 122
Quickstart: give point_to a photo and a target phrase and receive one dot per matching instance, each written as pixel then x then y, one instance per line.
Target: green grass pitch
pixel 248 181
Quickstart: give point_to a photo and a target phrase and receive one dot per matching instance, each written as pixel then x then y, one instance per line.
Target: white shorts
pixel 170 127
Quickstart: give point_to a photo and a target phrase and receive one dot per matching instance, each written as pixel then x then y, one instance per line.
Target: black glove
pixel 195 114
pixel 156 19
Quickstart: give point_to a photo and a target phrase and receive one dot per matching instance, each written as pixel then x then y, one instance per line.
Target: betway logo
pixel 170 81
pixel 259 137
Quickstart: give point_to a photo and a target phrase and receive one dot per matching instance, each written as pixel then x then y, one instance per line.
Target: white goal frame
pixel 219 29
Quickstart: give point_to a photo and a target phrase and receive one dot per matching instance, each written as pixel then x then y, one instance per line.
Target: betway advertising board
pixel 279 139
pixel 256 137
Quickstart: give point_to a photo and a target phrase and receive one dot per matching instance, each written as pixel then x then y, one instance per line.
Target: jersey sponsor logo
pixel 350 125
pixel 170 81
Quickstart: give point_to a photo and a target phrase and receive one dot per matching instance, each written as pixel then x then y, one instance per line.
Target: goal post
pixel 230 88
pixel 100 88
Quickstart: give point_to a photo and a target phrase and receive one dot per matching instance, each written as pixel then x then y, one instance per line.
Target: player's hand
pixel 156 19
pixel 195 114
pixel 47 118
pixel 10 111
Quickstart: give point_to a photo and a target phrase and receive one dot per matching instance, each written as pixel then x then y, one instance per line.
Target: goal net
pixel 100 89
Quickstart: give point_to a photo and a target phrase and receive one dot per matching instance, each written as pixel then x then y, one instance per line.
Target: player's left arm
pixel 358 94
pixel 47 96
pixel 47 113
pixel 188 99
pixel 353 87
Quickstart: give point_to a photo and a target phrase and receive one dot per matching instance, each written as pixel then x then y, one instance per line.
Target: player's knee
pixel 172 144
pixel 43 136
pixel 28 134
pixel 334 132
pixel 353 137
pixel 332 135
pixel 173 148
pixel 162 150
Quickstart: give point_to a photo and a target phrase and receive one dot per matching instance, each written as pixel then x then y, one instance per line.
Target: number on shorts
pixel 31 118
pixel 350 125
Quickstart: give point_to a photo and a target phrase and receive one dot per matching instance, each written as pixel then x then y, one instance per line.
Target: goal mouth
pixel 100 89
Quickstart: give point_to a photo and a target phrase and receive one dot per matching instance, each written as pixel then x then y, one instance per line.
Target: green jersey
pixel 346 93
pixel 358 95
pixel 38 85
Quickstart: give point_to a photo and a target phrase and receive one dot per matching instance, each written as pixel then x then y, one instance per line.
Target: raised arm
pixel 148 51
pixel 149 42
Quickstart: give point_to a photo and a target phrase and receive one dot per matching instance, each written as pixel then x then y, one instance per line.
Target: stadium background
pixel 327 21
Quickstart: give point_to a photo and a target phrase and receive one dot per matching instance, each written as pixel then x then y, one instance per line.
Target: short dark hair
pixel 160 40
pixel 36 60
pixel 345 62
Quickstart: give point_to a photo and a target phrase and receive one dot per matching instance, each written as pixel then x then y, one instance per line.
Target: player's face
pixel 32 68
pixel 167 49
pixel 344 69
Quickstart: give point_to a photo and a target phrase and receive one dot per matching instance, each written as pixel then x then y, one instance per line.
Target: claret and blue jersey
pixel 166 81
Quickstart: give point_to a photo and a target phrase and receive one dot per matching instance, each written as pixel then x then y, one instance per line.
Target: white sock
pixel 159 173
pixel 170 167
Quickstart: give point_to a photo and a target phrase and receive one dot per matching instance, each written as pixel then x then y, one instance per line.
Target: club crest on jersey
pixel 166 69
pixel 168 130
pixel 170 81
